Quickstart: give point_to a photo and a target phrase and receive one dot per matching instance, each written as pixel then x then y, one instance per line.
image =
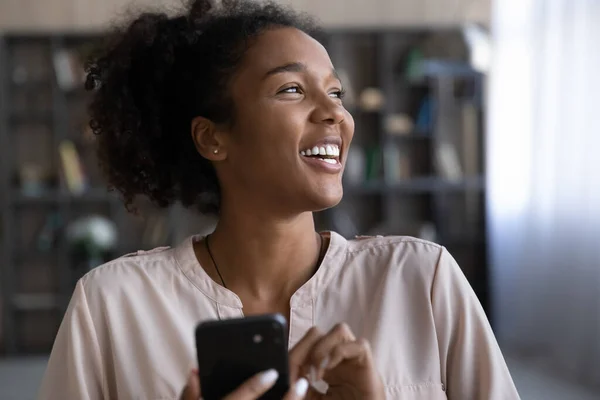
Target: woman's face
pixel 287 102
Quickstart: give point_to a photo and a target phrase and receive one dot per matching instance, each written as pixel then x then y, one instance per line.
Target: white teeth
pixel 331 150
pixel 329 160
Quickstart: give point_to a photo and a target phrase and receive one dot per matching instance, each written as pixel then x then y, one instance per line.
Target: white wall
pixel 44 15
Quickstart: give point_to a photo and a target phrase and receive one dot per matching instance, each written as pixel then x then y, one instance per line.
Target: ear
pixel 208 139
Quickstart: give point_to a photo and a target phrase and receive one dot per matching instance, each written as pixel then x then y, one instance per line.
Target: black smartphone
pixel 233 350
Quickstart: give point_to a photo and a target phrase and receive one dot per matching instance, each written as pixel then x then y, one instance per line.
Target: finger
pixel 359 351
pixel 301 351
pixel 254 387
pixel 320 354
pixel 192 387
pixel 298 391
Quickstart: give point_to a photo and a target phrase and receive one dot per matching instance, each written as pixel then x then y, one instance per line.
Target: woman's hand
pixel 344 363
pixel 252 389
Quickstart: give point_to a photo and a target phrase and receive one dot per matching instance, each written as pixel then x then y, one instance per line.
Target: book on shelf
pixel 399 124
pixel 371 99
pixel 355 170
pixel 470 139
pixel 156 231
pixel 428 231
pixel 33 179
pixel 412 69
pixel 373 163
pixel 68 69
pixel 447 162
pixel 470 153
pixel 425 115
pixel 396 164
pixel 47 235
pixel 74 175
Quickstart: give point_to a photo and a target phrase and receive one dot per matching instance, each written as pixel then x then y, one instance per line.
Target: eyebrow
pixel 295 67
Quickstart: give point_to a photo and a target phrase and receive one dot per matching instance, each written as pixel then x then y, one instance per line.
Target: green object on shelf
pixel 413 65
pixel 373 163
pixel 47 235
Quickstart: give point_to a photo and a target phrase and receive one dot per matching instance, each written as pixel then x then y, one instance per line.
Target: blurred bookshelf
pixel 415 167
pixel 50 184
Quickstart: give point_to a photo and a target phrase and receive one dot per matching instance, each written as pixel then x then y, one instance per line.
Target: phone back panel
pixel 231 351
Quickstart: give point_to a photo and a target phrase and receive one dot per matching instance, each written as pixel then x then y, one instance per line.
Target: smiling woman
pixel 237 110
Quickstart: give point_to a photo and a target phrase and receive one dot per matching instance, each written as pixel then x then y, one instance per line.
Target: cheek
pixel 271 127
pixel 266 142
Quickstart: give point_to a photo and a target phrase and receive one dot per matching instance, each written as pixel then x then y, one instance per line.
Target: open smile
pixel 324 154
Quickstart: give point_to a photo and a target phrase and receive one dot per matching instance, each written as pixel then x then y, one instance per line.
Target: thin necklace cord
pixel 212 258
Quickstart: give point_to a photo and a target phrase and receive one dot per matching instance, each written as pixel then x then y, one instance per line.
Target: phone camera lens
pixel 257 339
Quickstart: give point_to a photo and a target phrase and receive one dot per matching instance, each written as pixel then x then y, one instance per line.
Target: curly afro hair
pixel 153 76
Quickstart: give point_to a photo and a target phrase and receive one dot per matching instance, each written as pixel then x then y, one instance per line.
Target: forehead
pixel 281 46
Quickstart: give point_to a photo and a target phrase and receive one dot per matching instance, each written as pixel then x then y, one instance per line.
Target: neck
pixel 264 257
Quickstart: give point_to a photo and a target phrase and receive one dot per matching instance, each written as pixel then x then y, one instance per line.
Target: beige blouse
pixel 129 330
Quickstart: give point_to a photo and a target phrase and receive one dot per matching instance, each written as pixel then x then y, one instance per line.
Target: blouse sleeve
pixel 472 365
pixel 74 370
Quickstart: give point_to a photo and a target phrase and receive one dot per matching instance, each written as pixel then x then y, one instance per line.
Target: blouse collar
pixel 190 266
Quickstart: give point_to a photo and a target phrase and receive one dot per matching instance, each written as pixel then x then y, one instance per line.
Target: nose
pixel 328 111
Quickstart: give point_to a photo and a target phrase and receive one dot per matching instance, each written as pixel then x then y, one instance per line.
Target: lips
pixel 328 148
pixel 324 154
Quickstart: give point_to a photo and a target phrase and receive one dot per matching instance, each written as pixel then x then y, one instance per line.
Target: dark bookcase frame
pixel 421 198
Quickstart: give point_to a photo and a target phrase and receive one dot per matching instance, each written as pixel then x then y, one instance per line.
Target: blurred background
pixel 476 127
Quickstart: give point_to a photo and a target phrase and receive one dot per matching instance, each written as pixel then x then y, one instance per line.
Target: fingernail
pixel 324 363
pixel 312 374
pixel 269 377
pixel 301 387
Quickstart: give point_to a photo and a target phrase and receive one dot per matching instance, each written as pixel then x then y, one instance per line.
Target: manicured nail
pixel 269 377
pixel 324 363
pixel 312 374
pixel 301 387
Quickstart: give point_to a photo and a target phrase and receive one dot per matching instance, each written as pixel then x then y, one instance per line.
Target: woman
pixel 237 110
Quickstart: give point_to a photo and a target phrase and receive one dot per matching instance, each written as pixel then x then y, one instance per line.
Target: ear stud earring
pixel 215 151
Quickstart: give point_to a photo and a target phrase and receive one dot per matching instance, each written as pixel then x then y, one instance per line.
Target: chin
pixel 327 198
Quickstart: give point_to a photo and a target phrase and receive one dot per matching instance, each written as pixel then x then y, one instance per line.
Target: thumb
pixel 192 387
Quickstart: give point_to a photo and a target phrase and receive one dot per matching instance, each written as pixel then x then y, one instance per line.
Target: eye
pixel 338 94
pixel 291 89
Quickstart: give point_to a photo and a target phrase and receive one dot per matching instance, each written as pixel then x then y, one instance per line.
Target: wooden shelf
pixel 31 118
pixel 34 84
pixel 463 242
pixel 57 197
pixel 441 68
pixel 418 185
pixel 36 301
pixel 413 136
